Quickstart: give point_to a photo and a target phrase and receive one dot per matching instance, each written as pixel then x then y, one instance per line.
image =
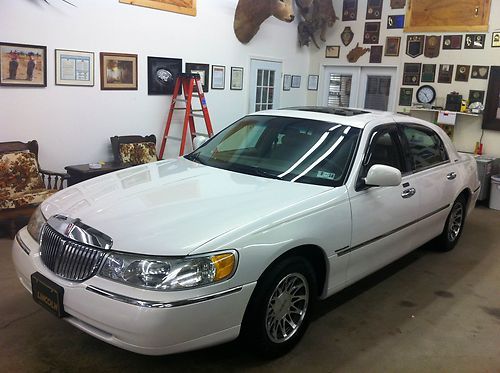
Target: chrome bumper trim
pixel 25 248
pixel 153 304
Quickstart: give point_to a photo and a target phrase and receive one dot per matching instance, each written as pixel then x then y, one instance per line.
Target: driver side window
pixel 383 150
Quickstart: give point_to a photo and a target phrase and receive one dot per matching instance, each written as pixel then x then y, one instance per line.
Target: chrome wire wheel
pixel 455 222
pixel 287 307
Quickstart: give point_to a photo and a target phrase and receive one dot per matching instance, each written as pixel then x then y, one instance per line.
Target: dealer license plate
pixel 47 294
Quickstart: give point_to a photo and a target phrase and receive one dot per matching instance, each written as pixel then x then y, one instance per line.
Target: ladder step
pixel 179 108
pixel 198 115
pixel 196 110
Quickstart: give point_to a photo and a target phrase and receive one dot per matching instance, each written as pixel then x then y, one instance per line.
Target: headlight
pixel 169 273
pixel 35 224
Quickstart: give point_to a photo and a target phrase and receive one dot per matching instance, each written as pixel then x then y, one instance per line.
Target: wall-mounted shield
pixel 347 36
pixel 398 4
pixel 432 46
pixel 415 45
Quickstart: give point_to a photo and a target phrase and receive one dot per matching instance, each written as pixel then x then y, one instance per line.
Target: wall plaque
pixel 372 33
pixel 405 96
pixel 452 42
pixel 462 74
pixel 415 45
pixel 428 73
pixel 474 41
pixel 347 36
pixel 392 46
pixel 445 73
pixel 476 96
pixel 432 45
pixel 374 9
pixel 395 22
pixel 411 73
pixel 398 4
pixel 480 72
pixel 350 10
pixel 376 53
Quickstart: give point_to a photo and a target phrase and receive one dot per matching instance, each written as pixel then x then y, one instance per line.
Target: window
pixel 383 150
pixel 264 96
pixel 426 148
pixel 339 92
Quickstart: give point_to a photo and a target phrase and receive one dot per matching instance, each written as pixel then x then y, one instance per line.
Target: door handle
pixel 407 193
pixel 451 176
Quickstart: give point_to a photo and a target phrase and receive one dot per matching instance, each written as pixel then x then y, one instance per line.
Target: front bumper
pixel 163 323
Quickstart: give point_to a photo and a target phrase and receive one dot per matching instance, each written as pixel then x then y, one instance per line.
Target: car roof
pixel 354 117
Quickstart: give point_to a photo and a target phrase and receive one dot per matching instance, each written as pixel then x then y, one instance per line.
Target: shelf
pixel 437 111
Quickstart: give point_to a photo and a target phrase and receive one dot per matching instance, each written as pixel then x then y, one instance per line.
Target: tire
pixel 272 324
pixel 454 226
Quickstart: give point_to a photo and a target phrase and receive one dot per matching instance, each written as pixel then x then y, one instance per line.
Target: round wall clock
pixel 426 94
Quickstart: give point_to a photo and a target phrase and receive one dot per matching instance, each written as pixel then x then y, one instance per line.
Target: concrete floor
pixel 427 312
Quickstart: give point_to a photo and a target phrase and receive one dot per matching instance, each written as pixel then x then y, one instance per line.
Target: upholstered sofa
pixel 23 185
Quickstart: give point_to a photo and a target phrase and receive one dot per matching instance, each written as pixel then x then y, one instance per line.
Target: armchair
pixel 23 184
pixel 134 150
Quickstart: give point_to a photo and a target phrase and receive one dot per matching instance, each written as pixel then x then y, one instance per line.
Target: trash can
pixel 495 192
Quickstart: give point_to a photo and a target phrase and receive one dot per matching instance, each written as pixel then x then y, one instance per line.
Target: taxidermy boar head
pixel 316 16
pixel 251 13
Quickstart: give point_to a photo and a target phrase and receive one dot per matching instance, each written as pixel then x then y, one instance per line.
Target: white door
pixel 360 87
pixel 265 84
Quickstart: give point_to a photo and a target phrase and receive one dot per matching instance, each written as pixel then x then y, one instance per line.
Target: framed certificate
pixel 74 68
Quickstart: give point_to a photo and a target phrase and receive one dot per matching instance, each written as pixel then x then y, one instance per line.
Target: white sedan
pixel 244 234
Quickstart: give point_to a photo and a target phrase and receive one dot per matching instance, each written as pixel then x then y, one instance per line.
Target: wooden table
pixel 81 172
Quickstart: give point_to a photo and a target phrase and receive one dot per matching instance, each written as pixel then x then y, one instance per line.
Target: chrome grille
pixel 68 259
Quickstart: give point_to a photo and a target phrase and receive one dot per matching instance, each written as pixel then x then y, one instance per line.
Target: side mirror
pixel 199 141
pixel 382 175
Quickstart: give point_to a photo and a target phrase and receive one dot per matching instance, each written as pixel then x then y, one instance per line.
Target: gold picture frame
pixel 118 71
pixel 187 7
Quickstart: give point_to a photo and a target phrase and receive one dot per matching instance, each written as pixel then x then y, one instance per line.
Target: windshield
pixel 290 149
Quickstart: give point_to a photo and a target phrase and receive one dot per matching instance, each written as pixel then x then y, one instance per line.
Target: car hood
pixel 172 207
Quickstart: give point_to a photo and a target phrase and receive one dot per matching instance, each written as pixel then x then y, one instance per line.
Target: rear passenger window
pixel 426 147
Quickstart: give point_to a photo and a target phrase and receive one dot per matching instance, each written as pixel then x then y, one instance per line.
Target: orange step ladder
pixel 191 86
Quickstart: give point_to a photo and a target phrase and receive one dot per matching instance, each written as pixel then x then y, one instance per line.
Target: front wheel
pixel 454 225
pixel 278 313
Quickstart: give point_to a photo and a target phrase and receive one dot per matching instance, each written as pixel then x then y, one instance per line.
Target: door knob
pixel 451 176
pixel 407 193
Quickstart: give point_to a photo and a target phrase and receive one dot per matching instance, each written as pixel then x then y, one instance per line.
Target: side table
pixel 81 172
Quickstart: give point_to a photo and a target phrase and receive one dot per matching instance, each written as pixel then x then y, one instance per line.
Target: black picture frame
pixel 216 71
pixel 287 82
pixel 17 73
pixel 200 68
pixel 236 83
pixel 162 75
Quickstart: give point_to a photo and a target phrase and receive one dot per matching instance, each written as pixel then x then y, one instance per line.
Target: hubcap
pixel 455 223
pixel 287 307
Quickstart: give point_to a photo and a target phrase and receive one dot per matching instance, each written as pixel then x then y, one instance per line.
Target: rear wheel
pixel 278 313
pixel 454 225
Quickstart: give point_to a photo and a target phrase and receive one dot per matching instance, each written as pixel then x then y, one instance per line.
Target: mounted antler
pixel 251 13
pixel 317 15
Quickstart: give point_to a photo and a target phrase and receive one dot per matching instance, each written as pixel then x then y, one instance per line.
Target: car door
pixel 382 217
pixel 435 178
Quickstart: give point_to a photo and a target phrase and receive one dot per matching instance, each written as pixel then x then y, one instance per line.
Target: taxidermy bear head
pixel 251 13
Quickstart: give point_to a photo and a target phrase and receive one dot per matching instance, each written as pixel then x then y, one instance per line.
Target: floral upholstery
pixel 20 181
pixel 138 153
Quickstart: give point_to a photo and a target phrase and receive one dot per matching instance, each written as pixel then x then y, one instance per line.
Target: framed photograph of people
pixel 118 71
pixel 203 70
pixel 23 65
pixel 332 51
pixel 287 82
pixel 74 68
pixel 312 82
pixel 236 78
pixel 162 75
pixel 218 77
pixel 495 39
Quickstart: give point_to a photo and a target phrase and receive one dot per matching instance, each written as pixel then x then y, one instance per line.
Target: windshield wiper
pixel 262 172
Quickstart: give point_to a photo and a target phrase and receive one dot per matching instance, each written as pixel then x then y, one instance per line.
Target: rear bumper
pixel 158 327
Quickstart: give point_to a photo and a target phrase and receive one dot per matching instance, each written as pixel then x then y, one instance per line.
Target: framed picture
pixel 376 53
pixel 445 73
pixel 23 65
pixel 479 72
pixel 462 74
pixel 287 82
pixel 202 69
pixel 162 75
pixel 312 82
pixel 428 73
pixel 218 77
pixel 495 40
pixel 236 78
pixel 118 71
pixel 177 6
pixel 332 51
pixel 296 81
pixel 392 44
pixel 74 68
pixel 474 41
pixel 452 42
